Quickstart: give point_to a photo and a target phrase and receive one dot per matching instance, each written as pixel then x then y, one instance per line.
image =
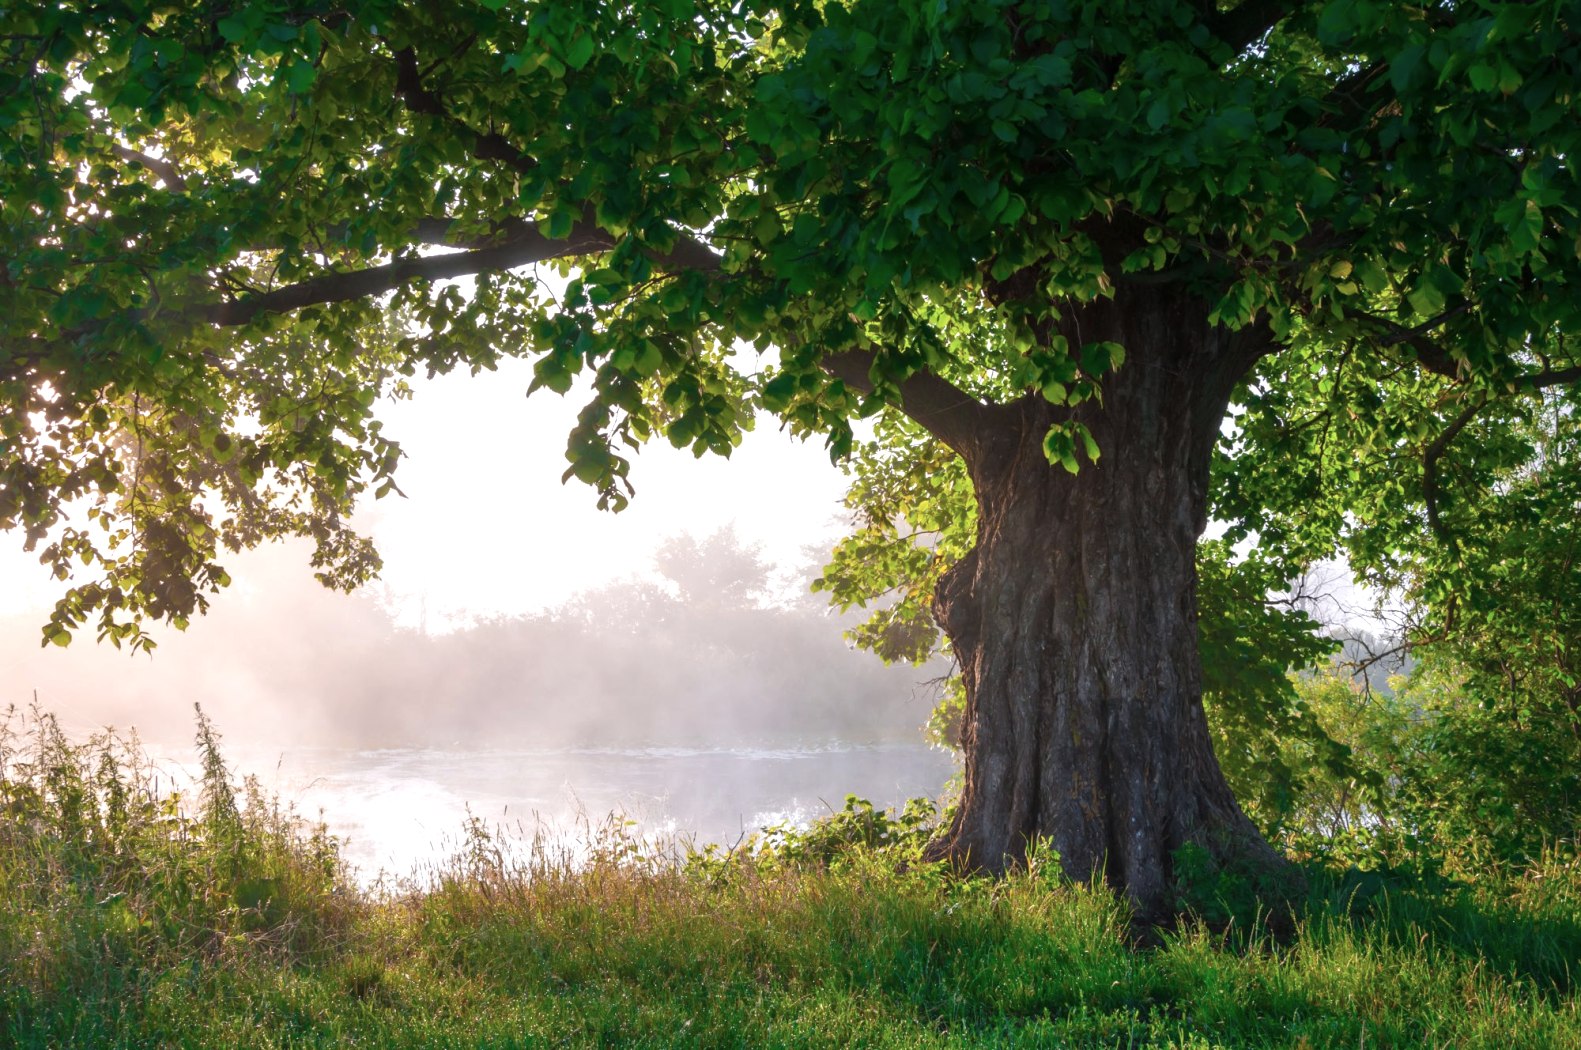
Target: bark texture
pixel 1074 618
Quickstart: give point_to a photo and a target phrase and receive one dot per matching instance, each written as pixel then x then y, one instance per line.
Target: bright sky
pixel 488 528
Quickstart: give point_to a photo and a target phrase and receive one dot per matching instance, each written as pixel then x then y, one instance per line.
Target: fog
pixel 709 649
pixel 704 698
pixel 524 653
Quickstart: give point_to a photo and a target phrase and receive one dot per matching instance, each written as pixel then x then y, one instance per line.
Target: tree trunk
pixel 1074 620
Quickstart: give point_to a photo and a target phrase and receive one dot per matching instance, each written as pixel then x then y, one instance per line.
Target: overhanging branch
pixel 942 409
pixel 166 171
pixel 527 248
pixel 1528 383
pixel 1546 379
pixel 1433 357
pixel 506 245
pixel 486 145
pixel 1437 359
pixel 688 252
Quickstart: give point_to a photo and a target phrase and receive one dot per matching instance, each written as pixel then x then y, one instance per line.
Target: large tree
pixel 1057 236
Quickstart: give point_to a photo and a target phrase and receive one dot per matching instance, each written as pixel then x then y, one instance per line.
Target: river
pixel 402 811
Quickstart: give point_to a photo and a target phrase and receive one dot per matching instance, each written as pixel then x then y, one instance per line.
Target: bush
pixel 105 877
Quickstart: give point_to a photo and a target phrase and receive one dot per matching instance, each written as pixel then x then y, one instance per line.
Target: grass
pixel 131 919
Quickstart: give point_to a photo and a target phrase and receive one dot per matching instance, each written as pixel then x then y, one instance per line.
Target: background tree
pixel 1058 237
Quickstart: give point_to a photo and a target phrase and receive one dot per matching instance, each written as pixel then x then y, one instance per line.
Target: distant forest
pixel 711 652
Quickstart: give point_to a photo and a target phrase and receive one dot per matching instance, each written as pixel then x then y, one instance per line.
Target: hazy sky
pixel 488 528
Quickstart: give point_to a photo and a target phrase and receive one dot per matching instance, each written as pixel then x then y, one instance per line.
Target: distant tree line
pixel 709 651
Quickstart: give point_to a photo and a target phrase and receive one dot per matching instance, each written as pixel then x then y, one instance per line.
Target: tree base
pixel 1240 882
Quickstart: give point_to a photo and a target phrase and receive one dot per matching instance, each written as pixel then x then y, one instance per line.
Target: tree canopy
pixel 222 229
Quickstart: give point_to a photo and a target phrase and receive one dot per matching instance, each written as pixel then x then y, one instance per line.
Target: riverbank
pixel 127 919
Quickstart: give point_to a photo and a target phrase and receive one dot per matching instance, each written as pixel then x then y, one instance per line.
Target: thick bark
pixel 1074 619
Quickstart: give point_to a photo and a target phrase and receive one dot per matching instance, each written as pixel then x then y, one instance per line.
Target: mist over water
pixel 703 701
pixel 397 810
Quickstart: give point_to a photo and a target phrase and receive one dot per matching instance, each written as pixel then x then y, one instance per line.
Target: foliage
pixel 1428 776
pixel 509 946
pixel 1500 683
pixel 1250 644
pixel 218 228
pixel 1332 768
pixel 856 832
pixel 914 516
pixel 105 876
pixel 1461 507
pixel 1490 779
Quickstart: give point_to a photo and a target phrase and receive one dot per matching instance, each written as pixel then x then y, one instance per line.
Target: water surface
pixel 402 809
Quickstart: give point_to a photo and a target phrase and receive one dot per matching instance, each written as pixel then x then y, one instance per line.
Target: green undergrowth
pixel 129 917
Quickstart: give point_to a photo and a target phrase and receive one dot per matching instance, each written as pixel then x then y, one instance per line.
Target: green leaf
pixel 1373 277
pixel 1337 21
pixel 777 392
pixel 1099 358
pixel 1089 442
pixel 300 76
pixel 557 224
pixel 649 360
pixel 1402 68
pixel 1526 229
pixel 1060 448
pixel 588 469
pixel 580 52
pixel 1426 300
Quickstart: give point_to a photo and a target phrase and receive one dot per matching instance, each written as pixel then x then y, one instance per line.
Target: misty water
pixel 402 810
pixel 698 703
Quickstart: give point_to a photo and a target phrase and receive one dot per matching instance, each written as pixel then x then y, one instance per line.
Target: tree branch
pixel 1245 24
pixel 688 253
pixel 941 408
pixel 486 145
pixel 1432 356
pixel 1430 459
pixel 165 170
pixel 508 244
pixel 1438 360
pixel 527 248
pixel 1552 377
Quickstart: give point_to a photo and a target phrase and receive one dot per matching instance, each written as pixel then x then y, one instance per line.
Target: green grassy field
pixel 127 919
